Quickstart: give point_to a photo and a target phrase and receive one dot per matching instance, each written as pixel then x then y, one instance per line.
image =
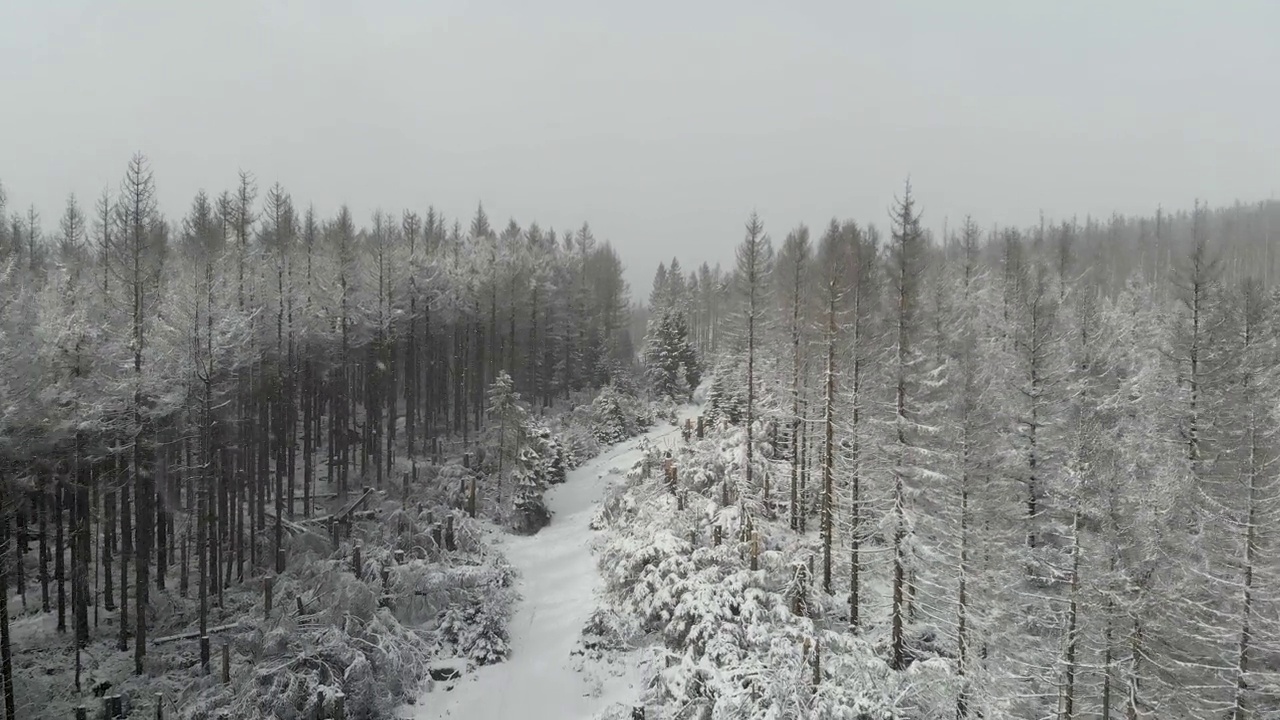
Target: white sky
pixel 662 123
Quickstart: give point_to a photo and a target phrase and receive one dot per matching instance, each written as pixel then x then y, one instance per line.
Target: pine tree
pixel 793 266
pixel 835 259
pixel 755 262
pixel 907 258
pixel 671 363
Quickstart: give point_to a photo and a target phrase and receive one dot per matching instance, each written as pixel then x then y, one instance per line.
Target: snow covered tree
pixel 793 266
pixel 510 420
pixel 671 363
pixel 755 264
pixel 910 463
pixel 836 258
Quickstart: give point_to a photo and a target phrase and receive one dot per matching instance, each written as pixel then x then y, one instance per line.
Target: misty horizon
pixel 663 137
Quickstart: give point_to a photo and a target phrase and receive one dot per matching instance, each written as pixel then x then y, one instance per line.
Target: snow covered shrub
pixel 474 633
pixel 578 438
pixel 616 416
pixel 529 512
pixel 347 641
pixel 550 465
pixel 605 630
pixel 610 423
pixel 726 398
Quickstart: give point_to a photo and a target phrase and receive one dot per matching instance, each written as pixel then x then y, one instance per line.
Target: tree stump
pixel 226 663
pixel 437 537
pixel 340 707
pixel 449 541
pixel 204 653
pixel 701 428
pixel 159 706
pixel 355 561
pixel 715 536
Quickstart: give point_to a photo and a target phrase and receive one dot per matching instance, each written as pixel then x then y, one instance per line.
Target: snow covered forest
pixel 249 411
pixel 994 473
pixel 255 462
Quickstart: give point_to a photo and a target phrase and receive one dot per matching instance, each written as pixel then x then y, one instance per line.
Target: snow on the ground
pixel 559 581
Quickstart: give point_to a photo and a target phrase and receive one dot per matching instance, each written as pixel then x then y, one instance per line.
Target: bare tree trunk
pixel 1073 613
pixel 59 558
pixel 108 548
pixel 80 540
pixel 126 549
pixel 828 459
pixel 42 524
pixel 6 652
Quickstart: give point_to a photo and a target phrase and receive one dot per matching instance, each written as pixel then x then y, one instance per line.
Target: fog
pixel 663 124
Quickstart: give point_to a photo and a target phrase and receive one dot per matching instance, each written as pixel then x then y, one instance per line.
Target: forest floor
pixel 547 675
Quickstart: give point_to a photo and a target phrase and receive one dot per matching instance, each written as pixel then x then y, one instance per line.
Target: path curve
pixel 558 585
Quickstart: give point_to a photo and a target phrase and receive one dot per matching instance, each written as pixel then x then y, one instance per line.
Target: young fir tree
pixel 671 363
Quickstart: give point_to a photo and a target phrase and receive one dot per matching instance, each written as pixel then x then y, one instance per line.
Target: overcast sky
pixel 662 123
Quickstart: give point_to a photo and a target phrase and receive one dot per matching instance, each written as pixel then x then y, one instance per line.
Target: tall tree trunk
pixel 143 494
pixel 308 451
pixel 828 458
pixel 80 540
pixel 6 652
pixel 59 559
pixel 1073 614
pixel 42 523
pixel 108 526
pixel 126 549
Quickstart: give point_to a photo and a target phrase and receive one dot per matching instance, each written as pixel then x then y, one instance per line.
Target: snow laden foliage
pixel 1037 469
pixel 726 396
pixel 371 637
pixel 616 415
pixel 672 367
pixel 739 630
pixel 524 455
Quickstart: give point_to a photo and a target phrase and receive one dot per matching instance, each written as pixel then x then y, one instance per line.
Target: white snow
pixel 559 581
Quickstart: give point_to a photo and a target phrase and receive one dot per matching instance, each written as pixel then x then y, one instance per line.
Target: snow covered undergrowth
pixel 555 670
pixel 371 638
pixel 727 640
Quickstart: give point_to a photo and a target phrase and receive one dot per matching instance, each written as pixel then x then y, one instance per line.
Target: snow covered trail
pixel 558 584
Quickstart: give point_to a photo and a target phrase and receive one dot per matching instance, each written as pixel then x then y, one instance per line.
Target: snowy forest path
pixel 558 586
